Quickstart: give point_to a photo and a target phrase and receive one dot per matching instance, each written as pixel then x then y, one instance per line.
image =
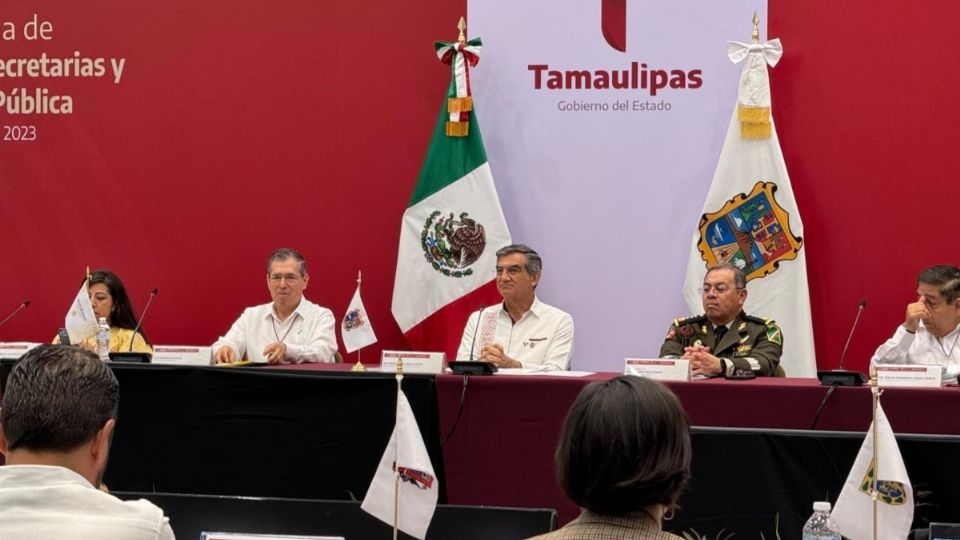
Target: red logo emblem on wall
pixel 613 23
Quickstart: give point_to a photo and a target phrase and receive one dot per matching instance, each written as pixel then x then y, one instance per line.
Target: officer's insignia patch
pixel 774 335
pixel 743 349
pixel 751 231
pixel 687 330
pixel 451 245
pixel 892 493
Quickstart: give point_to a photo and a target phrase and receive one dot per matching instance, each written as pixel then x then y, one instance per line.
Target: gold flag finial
pixel 88 275
pixel 462 25
pixel 755 35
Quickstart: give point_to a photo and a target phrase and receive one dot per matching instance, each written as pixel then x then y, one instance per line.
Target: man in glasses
pixel 290 329
pixel 725 341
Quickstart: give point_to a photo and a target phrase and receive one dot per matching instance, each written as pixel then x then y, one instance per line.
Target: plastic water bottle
pixel 821 525
pixel 103 340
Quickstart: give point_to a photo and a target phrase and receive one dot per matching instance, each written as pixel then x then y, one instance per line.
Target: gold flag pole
pixel 358 366
pixel 875 391
pixel 755 35
pixel 396 473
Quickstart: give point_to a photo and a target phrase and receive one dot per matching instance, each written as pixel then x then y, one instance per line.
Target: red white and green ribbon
pixel 461 56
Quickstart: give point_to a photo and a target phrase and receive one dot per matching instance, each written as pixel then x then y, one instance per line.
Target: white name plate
pixel 16 349
pixel 661 369
pixel 187 355
pixel 909 375
pixel 413 361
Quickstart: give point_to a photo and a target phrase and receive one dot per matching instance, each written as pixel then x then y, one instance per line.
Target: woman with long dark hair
pixel 110 301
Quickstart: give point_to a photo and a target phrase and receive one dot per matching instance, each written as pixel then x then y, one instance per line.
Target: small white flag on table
pixel 405 458
pixel 356 330
pixel 81 322
pixel 854 508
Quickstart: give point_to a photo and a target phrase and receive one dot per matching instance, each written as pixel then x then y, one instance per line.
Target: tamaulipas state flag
pixel 453 224
pixel 405 457
pixel 854 508
pixel 750 217
pixel 81 322
pixel 356 330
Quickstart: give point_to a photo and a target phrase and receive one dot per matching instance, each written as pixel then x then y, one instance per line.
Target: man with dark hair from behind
pixel 57 418
pixel 624 457
pixel 931 326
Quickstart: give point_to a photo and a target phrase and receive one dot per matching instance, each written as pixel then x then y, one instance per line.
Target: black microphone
pixel 129 355
pixel 476 329
pixel 843 355
pixel 153 293
pixel 14 312
pixel 840 376
pixel 473 367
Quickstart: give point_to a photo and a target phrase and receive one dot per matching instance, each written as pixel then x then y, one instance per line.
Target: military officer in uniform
pixel 725 341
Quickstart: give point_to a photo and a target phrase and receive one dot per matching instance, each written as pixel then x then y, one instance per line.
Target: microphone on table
pixel 20 308
pixel 841 377
pixel 474 367
pixel 129 355
pixel 473 343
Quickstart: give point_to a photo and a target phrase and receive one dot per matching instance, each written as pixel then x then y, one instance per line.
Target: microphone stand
pixel 840 376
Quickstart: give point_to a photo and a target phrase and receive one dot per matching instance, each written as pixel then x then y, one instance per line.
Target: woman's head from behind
pixel 625 445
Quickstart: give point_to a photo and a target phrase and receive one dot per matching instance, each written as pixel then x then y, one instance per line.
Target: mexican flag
pixel 453 224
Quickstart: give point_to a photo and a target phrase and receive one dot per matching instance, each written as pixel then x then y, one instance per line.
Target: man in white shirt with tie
pixel 290 329
pixel 522 331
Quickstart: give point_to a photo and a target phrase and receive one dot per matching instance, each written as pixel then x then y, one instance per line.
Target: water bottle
pixel 821 525
pixel 103 339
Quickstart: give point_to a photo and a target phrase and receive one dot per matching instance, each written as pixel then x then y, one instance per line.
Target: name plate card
pixel 15 350
pixel 413 361
pixel 186 355
pixel 909 375
pixel 661 369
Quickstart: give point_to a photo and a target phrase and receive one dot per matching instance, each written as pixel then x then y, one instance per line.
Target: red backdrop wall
pixel 239 127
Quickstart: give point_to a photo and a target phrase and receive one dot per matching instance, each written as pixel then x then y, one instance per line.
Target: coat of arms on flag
pixel 892 493
pixel 452 245
pixel 751 231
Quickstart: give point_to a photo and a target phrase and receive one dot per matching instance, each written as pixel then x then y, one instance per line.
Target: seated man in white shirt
pixel 931 327
pixel 58 414
pixel 522 332
pixel 291 329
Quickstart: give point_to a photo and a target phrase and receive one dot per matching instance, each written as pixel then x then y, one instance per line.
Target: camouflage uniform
pixel 751 343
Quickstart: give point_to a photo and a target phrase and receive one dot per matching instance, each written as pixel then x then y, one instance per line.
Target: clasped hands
pixel 494 353
pixel 701 361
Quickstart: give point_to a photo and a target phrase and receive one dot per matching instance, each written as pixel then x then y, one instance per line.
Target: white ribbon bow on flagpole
pixel 772 51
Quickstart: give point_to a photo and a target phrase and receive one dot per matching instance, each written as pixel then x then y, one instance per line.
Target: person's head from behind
pixel 624 447
pixel 59 408
pixel 938 287
pixel 109 299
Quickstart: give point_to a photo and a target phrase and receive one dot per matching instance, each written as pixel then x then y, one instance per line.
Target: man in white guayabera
pixel 931 327
pixel 290 329
pixel 522 331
